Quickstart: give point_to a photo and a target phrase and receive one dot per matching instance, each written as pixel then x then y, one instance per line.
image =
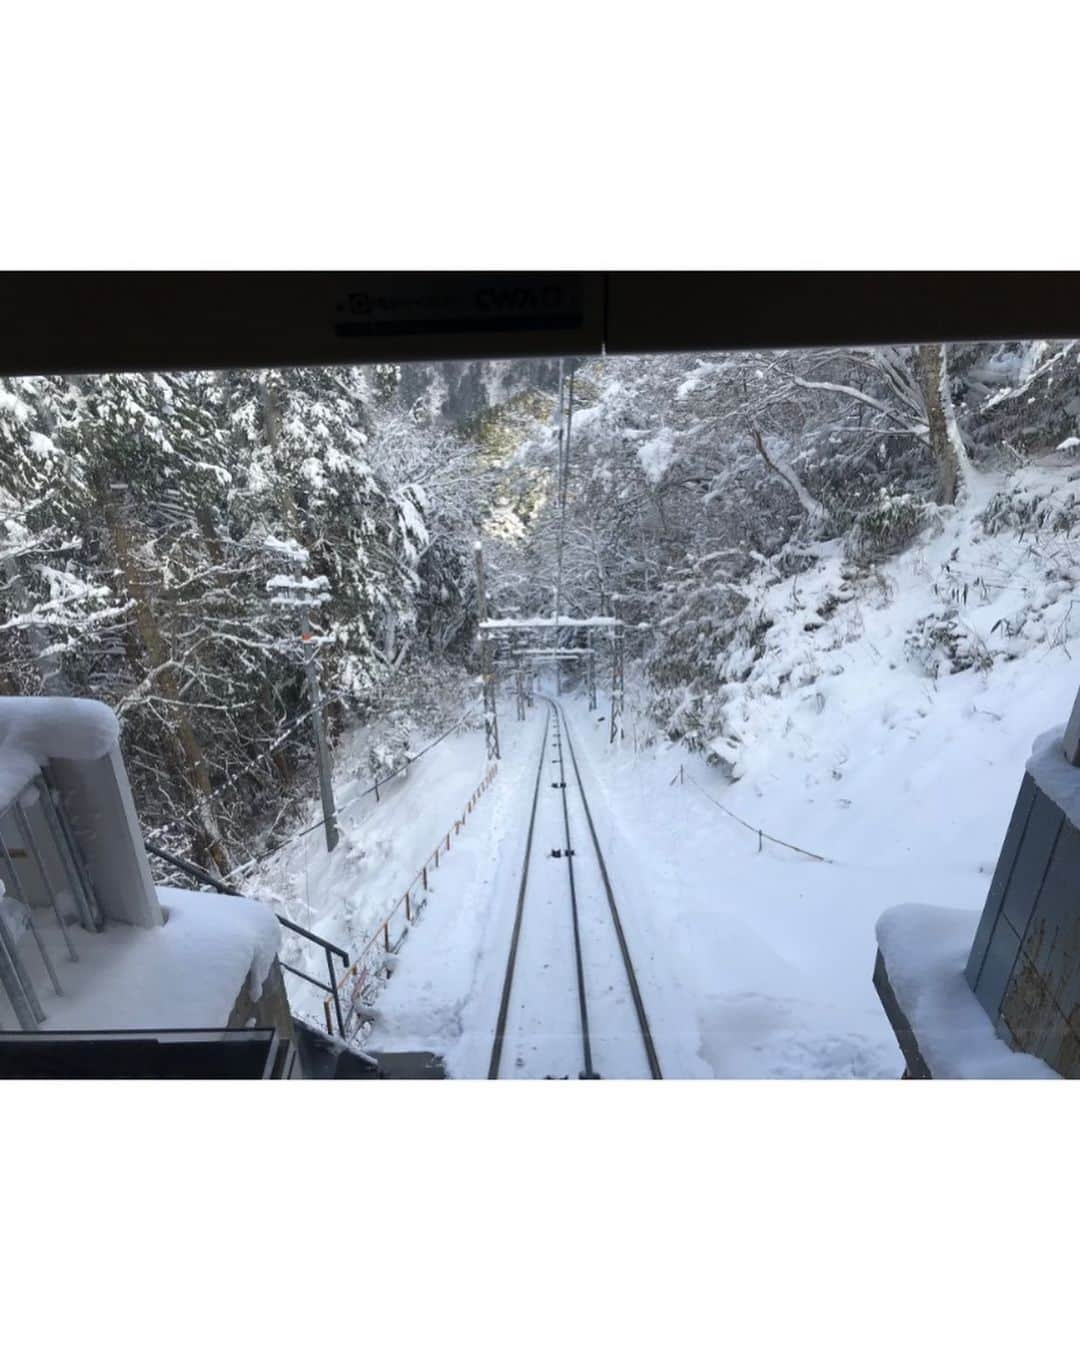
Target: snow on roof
pixel 286 546
pixel 553 653
pixel 186 973
pixel 1051 770
pixel 525 623
pixel 303 582
pixel 926 950
pixel 35 728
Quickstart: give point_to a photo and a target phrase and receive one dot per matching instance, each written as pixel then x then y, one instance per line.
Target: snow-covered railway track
pixel 570 1003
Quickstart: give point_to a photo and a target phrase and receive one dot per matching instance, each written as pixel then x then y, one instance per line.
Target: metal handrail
pixel 413 903
pixel 331 949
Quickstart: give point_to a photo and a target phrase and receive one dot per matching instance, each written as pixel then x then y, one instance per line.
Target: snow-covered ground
pixel 755 960
pixel 343 895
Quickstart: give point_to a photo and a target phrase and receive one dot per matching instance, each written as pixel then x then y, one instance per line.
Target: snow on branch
pixel 814 510
pixel 845 390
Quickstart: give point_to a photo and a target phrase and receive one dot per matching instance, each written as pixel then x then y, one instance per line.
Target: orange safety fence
pixel 388 935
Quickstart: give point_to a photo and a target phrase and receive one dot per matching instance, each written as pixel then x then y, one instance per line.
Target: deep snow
pixel 853 740
pixel 343 895
pixel 186 973
pixel 926 950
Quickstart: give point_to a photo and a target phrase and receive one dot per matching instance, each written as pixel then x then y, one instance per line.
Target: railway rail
pixel 571 1001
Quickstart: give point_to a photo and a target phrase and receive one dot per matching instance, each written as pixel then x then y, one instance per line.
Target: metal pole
pixel 562 521
pixel 1072 734
pixel 334 992
pixel 519 690
pixel 30 841
pixel 20 895
pixel 487 671
pixel 12 983
pixel 70 853
pixel 616 684
pixel 326 790
pixel 17 983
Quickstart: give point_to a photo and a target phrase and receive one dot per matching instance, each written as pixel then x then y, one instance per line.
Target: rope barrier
pixel 761 835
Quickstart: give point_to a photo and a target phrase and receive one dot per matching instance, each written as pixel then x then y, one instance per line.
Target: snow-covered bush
pixel 689 661
pixel 389 751
pixel 941 643
pixel 1031 504
pixel 891 523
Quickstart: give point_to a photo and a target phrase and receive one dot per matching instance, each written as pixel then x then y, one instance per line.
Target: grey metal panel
pixel 98 800
pixel 1053 938
pixel 1043 827
pixel 1048 990
pixel 1072 734
pixel 33 891
pixel 1024 965
pixel 1027 1010
pixel 997 968
pixel 1002 873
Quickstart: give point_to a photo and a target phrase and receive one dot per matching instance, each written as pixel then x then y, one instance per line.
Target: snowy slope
pixel 893 753
pixel 850 748
pixel 343 895
pixel 757 959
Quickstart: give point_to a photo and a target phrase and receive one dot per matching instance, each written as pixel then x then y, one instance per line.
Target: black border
pixel 82 322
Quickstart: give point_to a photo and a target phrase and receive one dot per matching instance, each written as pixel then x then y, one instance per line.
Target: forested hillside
pixel 746 508
pixel 155 531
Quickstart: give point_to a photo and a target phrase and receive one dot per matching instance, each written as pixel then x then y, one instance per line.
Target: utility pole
pixel 617 678
pixel 487 671
pixel 566 414
pixel 326 786
pixel 519 688
pixel 304 593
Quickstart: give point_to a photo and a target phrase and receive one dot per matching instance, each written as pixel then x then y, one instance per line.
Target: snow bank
pixel 925 950
pixel 186 973
pixel 1054 775
pixel 35 728
pixel 224 939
